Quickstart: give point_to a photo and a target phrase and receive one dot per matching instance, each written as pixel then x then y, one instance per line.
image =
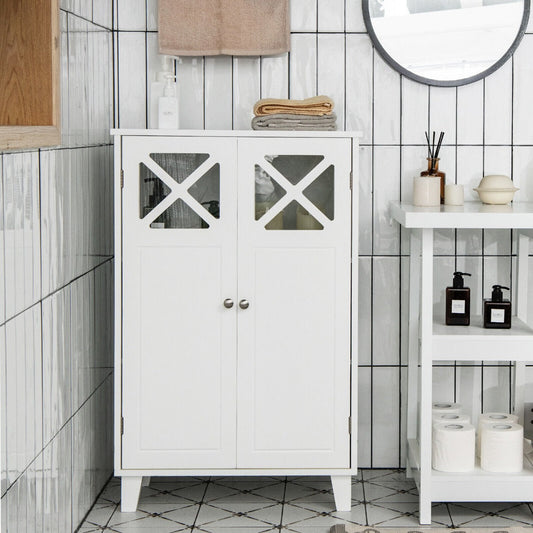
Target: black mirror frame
pixel 444 83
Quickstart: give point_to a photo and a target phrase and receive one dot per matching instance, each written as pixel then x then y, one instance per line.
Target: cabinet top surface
pixel 236 133
pixel 471 215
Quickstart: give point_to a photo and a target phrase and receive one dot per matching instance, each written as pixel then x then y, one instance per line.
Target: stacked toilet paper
pixel 454 439
pixel 499 442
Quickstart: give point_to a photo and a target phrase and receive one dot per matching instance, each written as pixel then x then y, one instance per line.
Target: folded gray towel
pixel 288 121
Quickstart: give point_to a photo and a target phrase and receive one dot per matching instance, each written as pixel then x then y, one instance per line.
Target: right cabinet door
pixel 294 268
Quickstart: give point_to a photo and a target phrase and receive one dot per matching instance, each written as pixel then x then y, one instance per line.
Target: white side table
pixel 430 340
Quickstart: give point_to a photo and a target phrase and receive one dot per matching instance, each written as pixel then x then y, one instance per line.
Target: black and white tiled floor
pixel 293 504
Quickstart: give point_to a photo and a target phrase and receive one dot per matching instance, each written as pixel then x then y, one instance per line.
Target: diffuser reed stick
pixel 433 152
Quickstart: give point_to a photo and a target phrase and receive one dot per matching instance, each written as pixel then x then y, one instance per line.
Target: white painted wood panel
pixel 293 362
pixel 178 339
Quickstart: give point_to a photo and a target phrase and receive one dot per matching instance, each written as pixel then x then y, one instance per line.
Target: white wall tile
pixel 469 172
pixel 496 389
pixel 470 113
pixel 330 15
pixel 386 416
pixel 303 66
pixel 386 103
pixel 497 160
pixel 64 78
pixel 57 466
pixel 218 93
pixel 443 383
pixel 303 15
pixel 496 271
pixel 523 172
pixel 78 93
pixel 385 311
pixel 151 15
pixel 415 111
pixel 468 390
pixel 331 73
pixel 2 233
pixel 57 355
pixel 359 68
pixel 22 231
pixel 387 181
pixel 246 91
pixel 365 200
pixel 190 74
pixel 275 76
pixel 132 15
pixel 3 414
pixel 442 112
pixel 132 80
pixel 23 391
pixel 364 418
pixel 499 105
pixel 354 16
pixel 364 332
pixel 103 13
pixel 523 92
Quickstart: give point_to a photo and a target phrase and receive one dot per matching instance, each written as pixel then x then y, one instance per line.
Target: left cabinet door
pixel 179 222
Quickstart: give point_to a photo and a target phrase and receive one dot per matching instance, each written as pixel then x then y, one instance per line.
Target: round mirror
pixel 446 42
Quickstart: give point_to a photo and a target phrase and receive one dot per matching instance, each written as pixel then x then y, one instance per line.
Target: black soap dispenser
pixel 458 301
pixel 497 311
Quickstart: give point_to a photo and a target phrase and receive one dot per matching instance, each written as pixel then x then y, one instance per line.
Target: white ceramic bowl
pixel 496 189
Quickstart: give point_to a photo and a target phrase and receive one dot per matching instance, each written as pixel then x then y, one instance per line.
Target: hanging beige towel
pixel 232 27
pixel 317 105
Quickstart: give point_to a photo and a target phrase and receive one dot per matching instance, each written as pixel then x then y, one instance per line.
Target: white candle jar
pixel 426 191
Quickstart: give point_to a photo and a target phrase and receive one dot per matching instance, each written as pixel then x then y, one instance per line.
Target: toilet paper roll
pixel 491 418
pixel 502 448
pixel 441 408
pixel 451 418
pixel 454 447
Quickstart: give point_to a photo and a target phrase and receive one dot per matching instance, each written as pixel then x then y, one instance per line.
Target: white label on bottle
pixel 459 306
pixel 497 316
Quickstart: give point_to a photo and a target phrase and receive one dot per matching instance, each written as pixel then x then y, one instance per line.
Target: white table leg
pixel 130 488
pixel 414 313
pixel 342 492
pixel 426 374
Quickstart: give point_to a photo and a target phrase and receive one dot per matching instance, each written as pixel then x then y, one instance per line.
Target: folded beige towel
pixel 287 121
pixel 232 27
pixel 317 105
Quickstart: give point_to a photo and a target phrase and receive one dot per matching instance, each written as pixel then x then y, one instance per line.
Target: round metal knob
pixel 228 303
pixel 244 304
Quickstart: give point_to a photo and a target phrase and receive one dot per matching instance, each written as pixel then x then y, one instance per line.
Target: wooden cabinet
pixel 234 319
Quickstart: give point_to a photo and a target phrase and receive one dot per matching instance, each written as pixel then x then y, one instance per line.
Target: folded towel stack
pixel 314 113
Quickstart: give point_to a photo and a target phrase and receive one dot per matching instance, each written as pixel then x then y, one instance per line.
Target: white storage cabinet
pixel 235 320
pixel 431 340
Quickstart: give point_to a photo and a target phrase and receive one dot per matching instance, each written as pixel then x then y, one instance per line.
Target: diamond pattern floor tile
pixel 301 504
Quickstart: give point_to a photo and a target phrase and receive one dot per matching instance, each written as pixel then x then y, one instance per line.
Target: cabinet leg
pixel 342 491
pixel 425 510
pixel 408 469
pixel 130 488
pixel 146 481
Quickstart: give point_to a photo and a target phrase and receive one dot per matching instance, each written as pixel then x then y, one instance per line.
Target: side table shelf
pixel 431 340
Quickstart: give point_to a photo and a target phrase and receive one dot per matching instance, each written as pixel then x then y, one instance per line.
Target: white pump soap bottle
pixel 157 89
pixel 168 106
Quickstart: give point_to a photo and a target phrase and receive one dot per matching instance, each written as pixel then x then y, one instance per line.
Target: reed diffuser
pixel 433 162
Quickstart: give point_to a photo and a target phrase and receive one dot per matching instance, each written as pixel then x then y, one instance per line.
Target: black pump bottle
pixel 458 301
pixel 497 311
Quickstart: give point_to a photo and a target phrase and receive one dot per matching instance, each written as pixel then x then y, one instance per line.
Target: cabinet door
pixel 294 270
pixel 179 265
